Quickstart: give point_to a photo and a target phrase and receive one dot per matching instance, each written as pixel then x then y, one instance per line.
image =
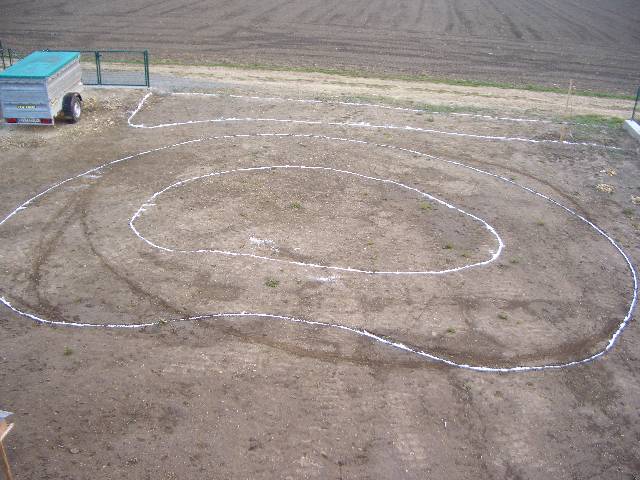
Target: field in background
pixel 546 42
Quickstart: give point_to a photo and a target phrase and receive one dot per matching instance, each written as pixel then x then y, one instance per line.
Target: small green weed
pixel 67 351
pixel 447 246
pixel 503 316
pixel 271 283
pixel 451 330
pixel 296 205
pixel 425 206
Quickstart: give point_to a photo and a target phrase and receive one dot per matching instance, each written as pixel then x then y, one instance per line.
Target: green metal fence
pixel 8 56
pixel 115 67
pixel 101 67
pixel 635 116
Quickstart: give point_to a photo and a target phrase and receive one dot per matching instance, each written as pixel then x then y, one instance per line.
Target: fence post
pixel 98 72
pixel 635 105
pixel 4 65
pixel 10 56
pixel 146 68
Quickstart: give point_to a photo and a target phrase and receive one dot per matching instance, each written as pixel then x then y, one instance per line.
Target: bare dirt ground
pixel 543 42
pixel 251 397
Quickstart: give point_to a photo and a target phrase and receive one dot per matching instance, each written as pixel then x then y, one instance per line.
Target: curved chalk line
pixel 360 332
pixel 381 106
pixel 150 202
pixel 498 138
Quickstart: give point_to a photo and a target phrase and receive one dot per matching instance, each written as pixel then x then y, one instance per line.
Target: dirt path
pixel 316 85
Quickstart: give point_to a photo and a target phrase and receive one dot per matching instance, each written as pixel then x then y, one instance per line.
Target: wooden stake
pixel 5 460
pixel 568 111
pixel 5 428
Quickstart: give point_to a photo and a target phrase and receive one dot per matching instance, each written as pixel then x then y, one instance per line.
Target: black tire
pixel 72 107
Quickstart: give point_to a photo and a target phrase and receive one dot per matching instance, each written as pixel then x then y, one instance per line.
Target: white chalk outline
pixel 360 332
pixel 409 128
pixel 151 201
pixel 382 106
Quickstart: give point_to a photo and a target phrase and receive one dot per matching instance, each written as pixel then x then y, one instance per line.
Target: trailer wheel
pixel 72 107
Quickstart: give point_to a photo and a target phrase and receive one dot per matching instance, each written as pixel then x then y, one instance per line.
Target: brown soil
pixel 253 398
pixel 544 42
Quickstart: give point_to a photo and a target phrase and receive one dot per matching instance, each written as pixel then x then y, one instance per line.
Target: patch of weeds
pixel 465 255
pixel 67 351
pixel 451 330
pixel 503 316
pixel 370 243
pixel 540 223
pixel 272 283
pixel 597 120
pixel 605 188
pixel 628 212
pixel 514 261
pixel 296 205
pixel 447 246
pixel 426 206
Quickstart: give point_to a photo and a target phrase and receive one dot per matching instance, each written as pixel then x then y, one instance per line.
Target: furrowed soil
pixel 545 42
pixel 262 397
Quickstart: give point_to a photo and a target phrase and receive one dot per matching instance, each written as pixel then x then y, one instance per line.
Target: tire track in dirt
pixel 360 333
pixel 48 244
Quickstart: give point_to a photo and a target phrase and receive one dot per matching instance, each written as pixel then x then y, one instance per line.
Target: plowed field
pixel 545 42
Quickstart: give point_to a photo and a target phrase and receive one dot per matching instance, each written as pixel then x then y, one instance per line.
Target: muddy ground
pixel 250 397
pixel 544 42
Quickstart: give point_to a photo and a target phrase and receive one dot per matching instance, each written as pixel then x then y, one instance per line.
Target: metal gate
pixel 115 67
pixel 101 67
pixel 8 57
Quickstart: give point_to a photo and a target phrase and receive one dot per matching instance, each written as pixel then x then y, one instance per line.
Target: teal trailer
pixel 40 87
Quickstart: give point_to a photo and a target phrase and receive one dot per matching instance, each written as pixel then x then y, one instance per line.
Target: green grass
pixel 296 205
pixel 451 330
pixel 394 102
pixel 271 283
pixel 352 73
pixel 596 120
pixel 502 316
pixel 425 206
pixel 447 246
pixel 67 351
